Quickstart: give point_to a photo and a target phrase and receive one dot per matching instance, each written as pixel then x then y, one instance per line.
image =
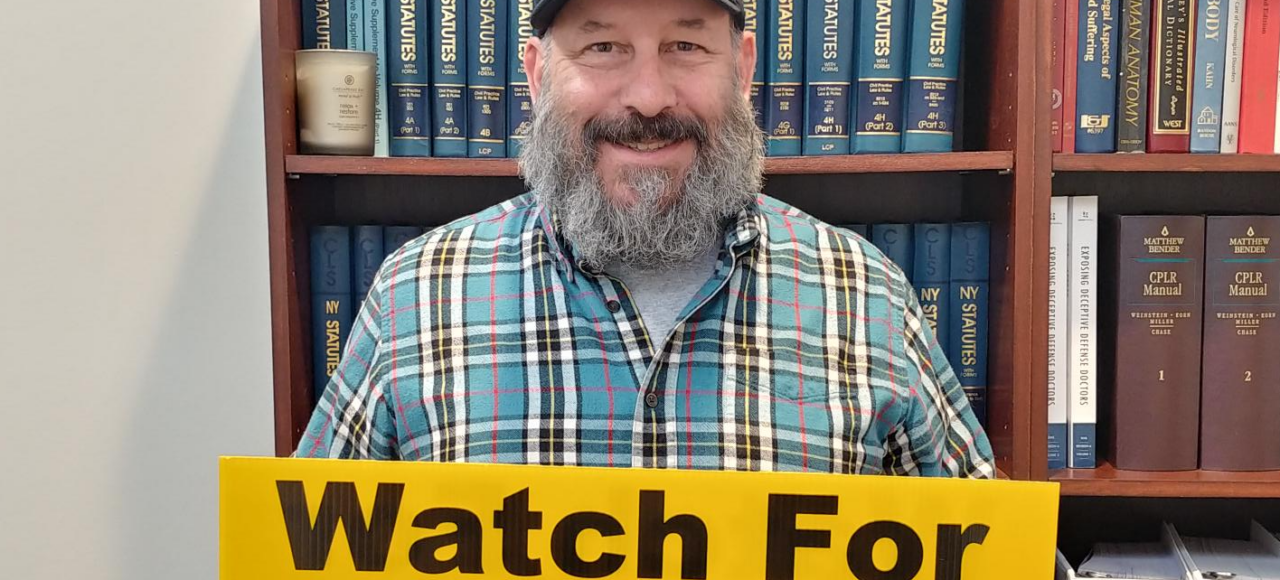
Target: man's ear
pixel 746 62
pixel 534 54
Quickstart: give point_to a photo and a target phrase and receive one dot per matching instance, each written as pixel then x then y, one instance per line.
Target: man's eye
pixel 686 47
pixel 602 47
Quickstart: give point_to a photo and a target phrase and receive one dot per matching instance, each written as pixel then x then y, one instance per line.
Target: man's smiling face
pixel 643 138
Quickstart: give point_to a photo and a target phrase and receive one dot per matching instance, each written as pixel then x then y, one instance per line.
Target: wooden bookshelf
pixel 1106 480
pixel 828 165
pixel 1165 163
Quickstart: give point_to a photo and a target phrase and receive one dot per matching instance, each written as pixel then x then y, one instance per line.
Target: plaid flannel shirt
pixel 488 340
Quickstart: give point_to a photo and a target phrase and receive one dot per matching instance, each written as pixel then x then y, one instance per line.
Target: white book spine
pixel 1059 249
pixel 1083 322
pixel 1231 76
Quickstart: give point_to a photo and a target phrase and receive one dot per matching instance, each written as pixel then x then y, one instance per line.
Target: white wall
pixel 134 322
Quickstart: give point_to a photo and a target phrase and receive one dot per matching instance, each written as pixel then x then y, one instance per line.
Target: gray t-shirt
pixel 660 294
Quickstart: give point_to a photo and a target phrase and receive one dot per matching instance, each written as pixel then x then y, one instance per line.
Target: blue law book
pixel 1096 75
pixel 1210 71
pixel 408 73
pixel 932 75
pixel 896 241
pixel 486 78
pixel 395 237
pixel 366 256
pixel 755 11
pixel 448 78
pixel 519 100
pixel 375 41
pixel 331 306
pixel 880 73
pixel 355 24
pixel 324 24
pixel 828 76
pixel 932 279
pixel 784 77
pixel 969 294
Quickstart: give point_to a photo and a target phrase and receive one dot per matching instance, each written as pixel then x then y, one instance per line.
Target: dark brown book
pixel 1240 428
pixel 1156 410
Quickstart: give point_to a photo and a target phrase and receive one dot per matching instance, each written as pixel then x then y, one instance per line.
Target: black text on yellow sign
pixel 344 519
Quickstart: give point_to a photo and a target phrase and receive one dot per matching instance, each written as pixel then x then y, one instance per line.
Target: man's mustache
pixel 637 128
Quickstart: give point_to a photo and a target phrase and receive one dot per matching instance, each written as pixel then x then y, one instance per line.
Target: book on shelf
pixel 1180 557
pixel 1172 38
pixel 1058 71
pixel 933 75
pixel 1258 79
pixel 1233 68
pixel 1155 369
pixel 408 73
pixel 1070 64
pixel 828 77
pixel 1210 62
pixel 895 242
pixel 755 12
pixel 487 78
pixel 367 252
pixel 970 296
pixel 1135 67
pixel 932 278
pixel 1241 385
pixel 1083 323
pixel 332 310
pixel 879 73
pixel 784 78
pixel 519 97
pixel 1096 84
pixel 324 24
pixel 449 78
pixel 1059 256
pixel 375 41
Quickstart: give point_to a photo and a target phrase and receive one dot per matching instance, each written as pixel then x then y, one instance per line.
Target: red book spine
pixel 1071 49
pixel 1173 32
pixel 1059 71
pixel 1258 77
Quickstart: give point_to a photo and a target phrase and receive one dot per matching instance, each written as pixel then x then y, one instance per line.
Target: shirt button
pixel 613 305
pixel 651 400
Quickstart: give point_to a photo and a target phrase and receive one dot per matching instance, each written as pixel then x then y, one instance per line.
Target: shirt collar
pixel 741 234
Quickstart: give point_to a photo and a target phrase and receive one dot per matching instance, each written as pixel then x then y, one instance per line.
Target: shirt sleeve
pixel 352 420
pixel 941 436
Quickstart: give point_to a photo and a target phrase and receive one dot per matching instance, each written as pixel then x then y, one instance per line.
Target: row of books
pixel 831 78
pixel 344 261
pixel 1179 557
pixel 1189 343
pixel 1166 76
pixel 949 267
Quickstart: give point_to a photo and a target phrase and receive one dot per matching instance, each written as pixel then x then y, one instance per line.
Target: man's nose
pixel 649 90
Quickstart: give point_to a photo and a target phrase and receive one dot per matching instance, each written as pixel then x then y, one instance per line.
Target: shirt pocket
pixel 762 372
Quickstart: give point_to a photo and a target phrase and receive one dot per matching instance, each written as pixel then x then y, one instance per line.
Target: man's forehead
pixel 590 16
pixel 593 25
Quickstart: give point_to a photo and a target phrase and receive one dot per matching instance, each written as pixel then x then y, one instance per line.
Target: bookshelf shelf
pixel 1106 480
pixel 1165 163
pixel 841 164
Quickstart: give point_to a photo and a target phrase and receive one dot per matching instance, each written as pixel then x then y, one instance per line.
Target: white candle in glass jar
pixel 335 101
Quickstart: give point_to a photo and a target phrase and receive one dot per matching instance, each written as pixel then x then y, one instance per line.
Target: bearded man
pixel 644 305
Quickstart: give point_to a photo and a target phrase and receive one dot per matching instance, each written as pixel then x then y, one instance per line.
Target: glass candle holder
pixel 335 101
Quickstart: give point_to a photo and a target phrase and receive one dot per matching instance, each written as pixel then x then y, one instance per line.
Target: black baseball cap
pixel 544 12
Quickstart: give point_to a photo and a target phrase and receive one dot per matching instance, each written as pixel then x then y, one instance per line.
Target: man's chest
pixel 543 369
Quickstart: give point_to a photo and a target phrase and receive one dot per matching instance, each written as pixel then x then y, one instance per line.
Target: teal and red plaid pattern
pixel 487 340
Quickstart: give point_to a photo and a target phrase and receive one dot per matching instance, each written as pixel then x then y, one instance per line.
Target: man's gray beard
pixel 670 222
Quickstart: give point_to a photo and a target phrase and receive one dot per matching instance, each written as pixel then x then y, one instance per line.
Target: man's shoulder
pixel 785 224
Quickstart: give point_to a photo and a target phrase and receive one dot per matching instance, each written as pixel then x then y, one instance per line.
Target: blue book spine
pixel 828 77
pixel 355 24
pixel 519 100
pixel 375 41
pixel 1211 62
pixel 933 72
pixel 880 73
pixel 448 78
pixel 784 75
pixel 896 241
pixel 1096 75
pixel 331 307
pixel 395 237
pixel 366 256
pixel 487 78
pixel 753 10
pixel 932 278
pixel 408 74
pixel 970 289
pixel 324 23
